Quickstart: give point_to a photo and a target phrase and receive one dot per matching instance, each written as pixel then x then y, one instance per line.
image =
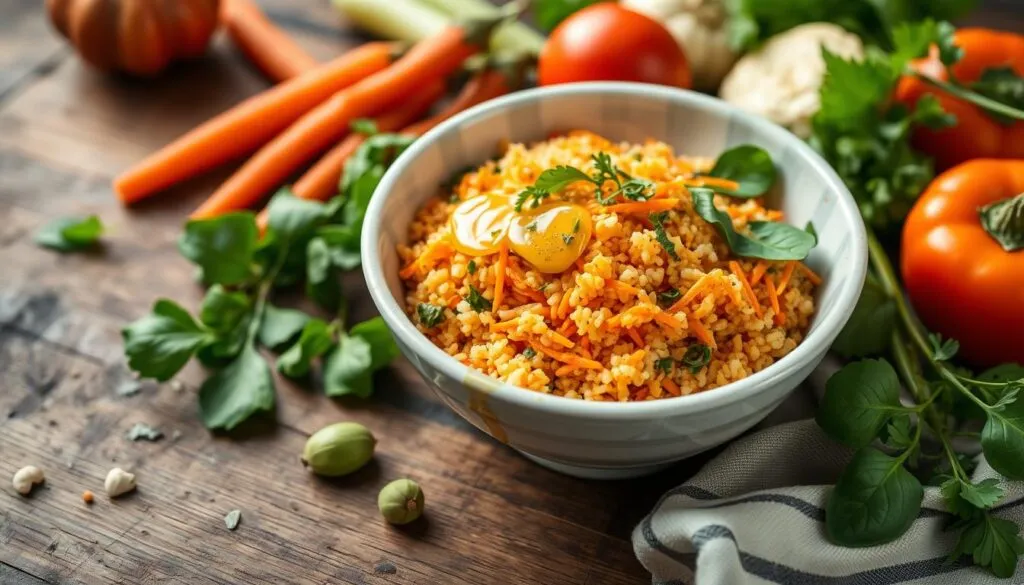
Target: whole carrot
pixel 267 46
pixel 484 86
pixel 429 60
pixel 250 124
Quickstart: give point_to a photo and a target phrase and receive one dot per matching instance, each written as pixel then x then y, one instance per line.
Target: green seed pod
pixel 338 449
pixel 401 501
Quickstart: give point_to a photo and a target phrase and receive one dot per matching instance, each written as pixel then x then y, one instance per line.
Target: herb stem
pixel 975 98
pixel 890 284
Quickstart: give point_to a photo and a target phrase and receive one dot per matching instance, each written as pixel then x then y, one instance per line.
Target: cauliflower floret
pixel 780 81
pixel 699 26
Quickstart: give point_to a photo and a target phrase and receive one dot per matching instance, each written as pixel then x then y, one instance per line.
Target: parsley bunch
pixel 306 242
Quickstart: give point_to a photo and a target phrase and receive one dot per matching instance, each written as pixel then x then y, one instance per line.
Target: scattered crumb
pixel 87 497
pixel 119 482
pixel 233 518
pixel 385 568
pixel 129 388
pixel 142 431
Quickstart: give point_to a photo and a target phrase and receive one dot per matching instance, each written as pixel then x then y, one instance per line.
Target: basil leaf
pixel 227 345
pixel 322 284
pixel 874 501
pixel 347 368
pixel 159 345
pixel 316 340
pixel 748 165
pixel 222 309
pixel 365 126
pixel 869 330
pixel 293 219
pixel 222 247
pixel 858 401
pixel 238 391
pixel 1002 439
pixel 280 326
pixel 375 332
pixel 343 245
pixel 558 178
pixel 1003 373
pixel 69 234
pixel 1002 221
pixel 768 240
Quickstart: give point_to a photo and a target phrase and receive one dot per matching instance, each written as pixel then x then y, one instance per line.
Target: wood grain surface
pixel 492 517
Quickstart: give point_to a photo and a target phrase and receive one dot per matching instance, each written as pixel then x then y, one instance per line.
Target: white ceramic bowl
pixel 605 439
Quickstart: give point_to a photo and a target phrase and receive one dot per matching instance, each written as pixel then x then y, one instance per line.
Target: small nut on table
pixel 26 478
pixel 119 482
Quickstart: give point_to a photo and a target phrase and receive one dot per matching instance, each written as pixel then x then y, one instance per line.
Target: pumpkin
pixel 140 37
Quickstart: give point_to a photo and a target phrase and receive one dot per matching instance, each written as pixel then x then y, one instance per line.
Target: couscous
pixel 588 291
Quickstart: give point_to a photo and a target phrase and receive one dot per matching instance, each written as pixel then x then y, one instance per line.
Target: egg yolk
pixel 551 237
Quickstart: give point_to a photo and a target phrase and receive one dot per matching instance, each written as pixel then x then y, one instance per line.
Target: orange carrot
pixel 435 251
pixel 267 46
pixel 702 332
pixel 250 124
pixel 751 297
pixel 705 181
pixel 487 85
pixel 652 205
pixel 429 60
pixel 811 275
pixel 633 335
pixel 671 386
pixel 561 339
pixel 499 277
pixel 759 269
pixel 787 273
pixel 567 358
pixel 780 318
pixel 668 321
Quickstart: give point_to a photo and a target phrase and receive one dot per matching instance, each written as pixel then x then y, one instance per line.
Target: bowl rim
pixel 787 366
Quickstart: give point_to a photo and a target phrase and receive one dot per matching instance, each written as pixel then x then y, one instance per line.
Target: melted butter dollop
pixel 481 223
pixel 552 236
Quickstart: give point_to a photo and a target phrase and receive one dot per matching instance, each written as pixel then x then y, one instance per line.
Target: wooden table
pixel 65 131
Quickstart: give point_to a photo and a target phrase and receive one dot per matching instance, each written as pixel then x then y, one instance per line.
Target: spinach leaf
pixel 223 247
pixel 1002 439
pixel 316 339
pixel 280 327
pixel 322 280
pixel 236 392
pixel 858 401
pixel 160 344
pixel 874 501
pixel 222 310
pixel 70 234
pixel 768 240
pixel 748 165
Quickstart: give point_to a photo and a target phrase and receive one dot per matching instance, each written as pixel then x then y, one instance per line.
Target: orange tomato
pixel 606 42
pixel 961 281
pixel 976 134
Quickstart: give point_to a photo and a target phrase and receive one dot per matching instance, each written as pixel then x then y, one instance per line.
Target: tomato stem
pixel 1004 221
pixel 983 102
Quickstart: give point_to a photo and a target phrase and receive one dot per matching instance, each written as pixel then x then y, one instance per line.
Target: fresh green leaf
pixel 950 490
pixel 293 219
pixel 343 245
pixel 529 353
pixel 1003 373
pixel 1002 221
pixel 768 240
pixel 949 52
pixel 430 315
pixel 858 401
pixel 852 90
pixel 365 126
pixel 1002 439
pixel 223 247
pixel 943 349
pixel 929 113
pixel 750 166
pixel 992 542
pixel 664 365
pixel 912 40
pixel 222 310
pixel 658 219
pixel 696 357
pixel 236 392
pixel 869 330
pixel 322 283
pixel 227 346
pixel 69 234
pixel 530 197
pixel 347 368
pixel 558 178
pixel 471 267
pixel 1009 396
pixel 899 433
pixel 160 344
pixel 372 158
pixel 280 327
pixel 1002 84
pixel 548 13
pixel 375 332
pixel 668 297
pixel 316 340
pixel 874 501
pixel 477 301
pixel 984 494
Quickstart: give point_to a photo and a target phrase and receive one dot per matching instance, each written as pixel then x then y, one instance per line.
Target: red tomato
pixel 606 42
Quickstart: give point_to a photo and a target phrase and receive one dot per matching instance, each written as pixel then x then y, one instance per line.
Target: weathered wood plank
pixel 27 46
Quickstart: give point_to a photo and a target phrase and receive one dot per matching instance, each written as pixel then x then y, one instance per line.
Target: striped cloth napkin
pixel 755 515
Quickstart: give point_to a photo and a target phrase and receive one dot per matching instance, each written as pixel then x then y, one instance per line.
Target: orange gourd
pixel 140 37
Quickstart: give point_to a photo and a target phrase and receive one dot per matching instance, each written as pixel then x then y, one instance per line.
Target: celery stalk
pixel 514 37
pixel 399 20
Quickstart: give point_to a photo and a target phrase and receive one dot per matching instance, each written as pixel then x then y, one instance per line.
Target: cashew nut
pixel 119 482
pixel 26 478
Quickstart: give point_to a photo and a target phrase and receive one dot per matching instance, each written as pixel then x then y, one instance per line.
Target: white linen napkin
pixel 755 515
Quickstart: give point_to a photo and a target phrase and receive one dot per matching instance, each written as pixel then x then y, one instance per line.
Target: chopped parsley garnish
pixel 529 353
pixel 531 195
pixel 477 300
pixel 669 297
pixel 658 219
pixel 664 364
pixel 568 238
pixel 430 315
pixel 471 267
pixel 531 227
pixel 453 198
pixel 558 178
pixel 576 226
pixel 696 357
pixel 542 286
